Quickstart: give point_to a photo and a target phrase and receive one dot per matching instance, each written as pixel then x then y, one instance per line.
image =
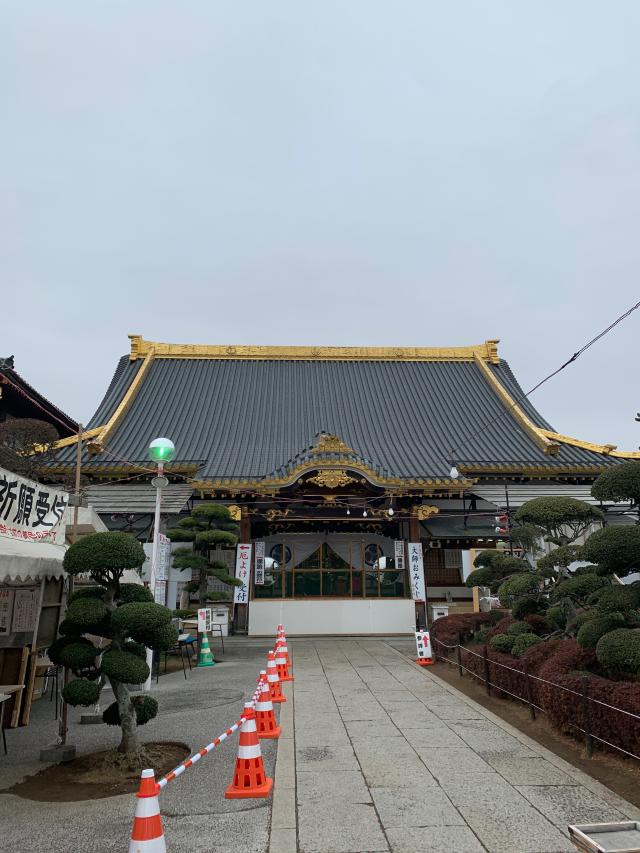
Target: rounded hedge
pixel 579 587
pixel 524 642
pixel 70 629
pixel 556 617
pixel 518 585
pixel 86 592
pixel 87 611
pixel 80 691
pixel 619 483
pixel 113 551
pixel 211 512
pixel 161 639
pixel 56 648
pixel 502 643
pixel 555 511
pixel 124 667
pixel 586 616
pixel 619 651
pixel 562 556
pixel 518 628
pixel 145 708
pixel 133 592
pixel 528 605
pixel 79 655
pixel 137 649
pixel 593 629
pixel 614 549
pixel 619 598
pixel 137 617
pixel 211 538
pixel 483 576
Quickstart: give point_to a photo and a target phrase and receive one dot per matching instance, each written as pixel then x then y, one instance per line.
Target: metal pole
pixel 506 494
pixel 64 714
pixel 158 482
pixel 485 655
pixel 459 655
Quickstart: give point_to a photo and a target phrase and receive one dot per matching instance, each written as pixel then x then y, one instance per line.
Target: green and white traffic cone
pixel 205 658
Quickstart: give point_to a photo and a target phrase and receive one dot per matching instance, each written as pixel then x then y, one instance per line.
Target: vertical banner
pixel 398 553
pixel 258 577
pixel 243 573
pixel 416 572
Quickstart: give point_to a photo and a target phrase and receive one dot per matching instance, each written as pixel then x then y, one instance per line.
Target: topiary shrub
pixel 580 587
pixel 614 549
pixel 537 624
pixel 161 640
pixel 86 592
pixel 562 519
pixel 523 642
pixel 619 483
pixel 481 636
pixel 503 643
pixel 593 629
pixel 556 617
pixel 145 707
pixel 518 628
pixel 526 606
pixel 79 655
pixel 184 614
pixel 619 651
pixel 125 613
pixel 585 616
pixel 618 598
pixel 518 585
pixel 80 691
pixel 124 667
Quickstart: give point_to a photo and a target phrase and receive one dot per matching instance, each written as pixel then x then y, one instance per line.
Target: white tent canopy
pixel 21 561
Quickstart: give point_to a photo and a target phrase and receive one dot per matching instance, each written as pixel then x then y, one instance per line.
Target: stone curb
pixel 283 837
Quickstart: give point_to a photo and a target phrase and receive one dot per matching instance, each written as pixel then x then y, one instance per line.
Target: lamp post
pixel 161 450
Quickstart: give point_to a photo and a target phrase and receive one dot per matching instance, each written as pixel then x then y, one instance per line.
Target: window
pixel 338 569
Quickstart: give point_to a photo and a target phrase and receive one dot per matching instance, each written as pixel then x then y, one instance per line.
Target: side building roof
pixel 243 415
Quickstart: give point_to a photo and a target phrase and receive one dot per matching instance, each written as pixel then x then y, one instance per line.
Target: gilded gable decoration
pixel 331 479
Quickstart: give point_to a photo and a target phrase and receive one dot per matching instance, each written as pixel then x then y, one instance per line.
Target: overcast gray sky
pixel 407 172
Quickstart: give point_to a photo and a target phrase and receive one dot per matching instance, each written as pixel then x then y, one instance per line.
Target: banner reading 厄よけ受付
pixel 243 573
pixel 31 511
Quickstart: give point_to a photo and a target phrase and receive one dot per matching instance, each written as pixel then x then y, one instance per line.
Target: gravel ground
pixel 196 817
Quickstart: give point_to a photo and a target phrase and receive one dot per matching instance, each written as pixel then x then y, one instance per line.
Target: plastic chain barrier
pixel 189 762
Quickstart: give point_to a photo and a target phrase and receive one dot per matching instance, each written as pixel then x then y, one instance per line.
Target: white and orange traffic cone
pixel 274 680
pixel 282 660
pixel 266 722
pixel 249 778
pixel 147 835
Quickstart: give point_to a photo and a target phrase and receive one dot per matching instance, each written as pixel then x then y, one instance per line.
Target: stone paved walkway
pixel 390 758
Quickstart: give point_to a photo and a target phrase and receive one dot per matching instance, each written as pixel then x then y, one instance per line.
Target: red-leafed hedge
pixel 552 662
pixel 447 629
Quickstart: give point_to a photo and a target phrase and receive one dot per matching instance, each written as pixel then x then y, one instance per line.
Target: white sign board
pixel 259 574
pixel 25 610
pixel 30 510
pixel 398 552
pixel 243 573
pixel 160 592
pixel 204 620
pixel 423 645
pixel 163 558
pixel 416 572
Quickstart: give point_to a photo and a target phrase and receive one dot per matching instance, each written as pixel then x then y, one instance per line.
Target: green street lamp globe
pixel 161 450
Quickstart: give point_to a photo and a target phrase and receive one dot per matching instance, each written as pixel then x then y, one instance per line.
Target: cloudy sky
pixel 355 172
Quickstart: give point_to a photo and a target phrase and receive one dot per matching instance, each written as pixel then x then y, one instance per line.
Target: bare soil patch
pixel 99 774
pixel 620 774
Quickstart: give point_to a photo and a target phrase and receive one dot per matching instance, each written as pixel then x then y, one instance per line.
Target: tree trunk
pixel 128 723
pixel 203 587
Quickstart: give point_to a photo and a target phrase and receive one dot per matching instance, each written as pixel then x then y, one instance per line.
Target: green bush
pixel 483 576
pixel 102 554
pixel 619 651
pixel 86 592
pixel 580 587
pixel 79 655
pixel 585 616
pixel 70 629
pixel 619 598
pixel 524 642
pixel 555 514
pixel 518 628
pixel 619 483
pixel 614 549
pixel 556 617
pixel 589 633
pixel 562 556
pixel 136 649
pixel 145 707
pixel 481 636
pixel 502 643
pixel 139 617
pixel 87 611
pixel 124 666
pixel 184 614
pixel 522 584
pixel 133 592
pixel 213 538
pixel 160 639
pixel 80 691
pixel 56 648
pixel 528 605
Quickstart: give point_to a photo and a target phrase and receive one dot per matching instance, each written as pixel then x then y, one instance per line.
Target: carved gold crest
pixel 425 511
pixel 330 444
pixel 331 479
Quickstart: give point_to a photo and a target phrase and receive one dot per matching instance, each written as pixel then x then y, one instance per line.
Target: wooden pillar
pixel 414 536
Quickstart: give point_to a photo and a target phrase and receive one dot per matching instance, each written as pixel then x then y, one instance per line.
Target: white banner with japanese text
pixel 398 552
pixel 243 573
pixel 31 511
pixel 259 573
pixel 416 572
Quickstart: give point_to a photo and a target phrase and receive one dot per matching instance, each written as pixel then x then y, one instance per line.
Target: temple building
pixel 357 471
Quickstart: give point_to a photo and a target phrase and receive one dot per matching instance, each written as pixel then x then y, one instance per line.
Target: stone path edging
pixel 284 834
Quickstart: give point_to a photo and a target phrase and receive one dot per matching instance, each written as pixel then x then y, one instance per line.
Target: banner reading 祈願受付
pixel 29 510
pixel 416 571
pixel 243 573
pixel 259 573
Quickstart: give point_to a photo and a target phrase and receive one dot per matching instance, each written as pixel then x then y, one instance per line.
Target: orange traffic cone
pixel 265 718
pixel 282 662
pixel 249 778
pixel 147 835
pixel 274 680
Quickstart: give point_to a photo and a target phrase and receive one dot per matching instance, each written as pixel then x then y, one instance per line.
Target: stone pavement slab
pixel 390 758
